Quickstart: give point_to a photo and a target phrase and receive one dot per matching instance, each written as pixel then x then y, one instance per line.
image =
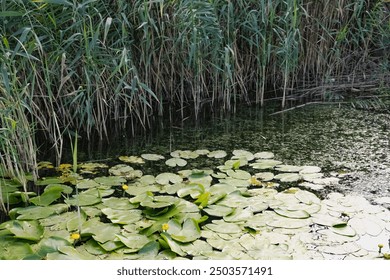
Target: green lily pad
pixel 243 154
pixel 176 161
pixel 87 184
pixel 197 248
pixel 173 245
pixel 288 177
pixel 239 215
pixel 35 212
pixel 265 164
pixel 101 232
pixel 29 230
pixel 64 188
pixel 147 180
pixel 218 210
pixel 345 231
pixel 217 154
pixel 122 217
pixel 193 189
pixel 264 176
pixel 133 241
pixel 288 168
pixel 48 196
pixel 152 157
pixel 288 223
pixel 120 203
pixel 84 199
pixel 132 159
pixel 123 170
pixel 202 152
pixel 264 155
pixel 307 197
pixel 223 227
pixel 187 232
pixel 14 249
pixel 293 214
pixel 309 169
pixel 239 174
pixel 184 154
pixel 110 181
pixel 166 178
pixel 50 245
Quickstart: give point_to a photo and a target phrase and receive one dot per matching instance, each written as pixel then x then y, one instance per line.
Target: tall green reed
pixel 86 65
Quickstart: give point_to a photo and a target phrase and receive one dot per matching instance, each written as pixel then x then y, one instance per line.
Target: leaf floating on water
pixel 293 214
pixel 265 164
pixel 218 210
pixel 217 154
pixel 132 159
pixel 264 155
pixel 173 162
pixel 29 230
pixel 243 154
pixel 288 177
pixel 264 176
pixel 184 154
pixel 345 231
pixel 110 181
pixel 123 170
pixel 223 227
pixel 152 157
pixel 202 152
pixel 166 178
pixel 309 169
pixel 185 233
pixel 307 197
pixel 239 174
pixel 288 168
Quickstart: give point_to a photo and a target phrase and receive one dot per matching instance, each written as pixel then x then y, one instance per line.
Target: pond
pixel 306 184
pixel 352 143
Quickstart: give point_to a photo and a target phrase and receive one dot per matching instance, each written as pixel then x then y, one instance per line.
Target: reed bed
pixel 79 66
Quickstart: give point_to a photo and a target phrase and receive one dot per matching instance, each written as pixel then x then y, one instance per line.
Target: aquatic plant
pixel 204 213
pixel 85 66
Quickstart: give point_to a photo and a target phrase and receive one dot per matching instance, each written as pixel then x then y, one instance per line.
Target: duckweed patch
pixel 228 210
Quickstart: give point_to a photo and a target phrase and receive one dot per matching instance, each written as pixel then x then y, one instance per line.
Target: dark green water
pixel 338 139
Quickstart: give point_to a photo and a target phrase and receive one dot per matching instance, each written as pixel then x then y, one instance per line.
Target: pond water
pixel 352 143
pixel 305 184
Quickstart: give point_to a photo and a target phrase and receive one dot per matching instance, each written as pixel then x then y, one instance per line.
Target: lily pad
pixel 288 168
pixel 122 217
pixel 101 232
pixel 243 154
pixel 123 170
pixel 133 241
pixel 87 184
pixel 14 249
pixel 152 157
pixel 132 159
pixel 309 169
pixel 35 212
pixel 29 230
pixel 307 197
pixel 184 154
pixel 110 181
pixel 218 210
pixel 264 176
pixel 265 164
pixel 239 215
pixel 288 177
pixel 239 174
pixel 264 155
pixel 173 245
pixel 48 196
pixel 176 161
pixel 202 152
pixel 293 214
pixel 166 178
pixel 217 154
pixel 223 227
pixel 118 203
pixel 187 232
